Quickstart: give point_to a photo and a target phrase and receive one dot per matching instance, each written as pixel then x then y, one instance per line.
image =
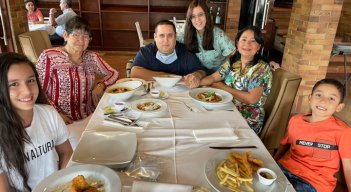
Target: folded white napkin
pixel 143 186
pixel 214 134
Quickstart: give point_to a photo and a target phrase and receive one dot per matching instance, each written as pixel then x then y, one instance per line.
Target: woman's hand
pixel 274 65
pixel 66 119
pixel 97 92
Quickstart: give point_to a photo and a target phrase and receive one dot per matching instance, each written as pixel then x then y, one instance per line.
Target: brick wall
pixel 309 42
pixel 344 27
pixel 18 20
pixel 233 18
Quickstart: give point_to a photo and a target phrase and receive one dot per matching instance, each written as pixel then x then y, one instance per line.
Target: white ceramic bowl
pixel 116 97
pixel 266 176
pixel 167 81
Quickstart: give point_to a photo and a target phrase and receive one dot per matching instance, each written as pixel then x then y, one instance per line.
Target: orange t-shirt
pixel 316 150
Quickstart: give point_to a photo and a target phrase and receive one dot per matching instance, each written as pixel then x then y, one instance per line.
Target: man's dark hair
pixel 165 22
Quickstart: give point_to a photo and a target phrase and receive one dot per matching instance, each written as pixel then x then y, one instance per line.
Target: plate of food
pixel 236 171
pixel 88 177
pixel 149 107
pixel 210 96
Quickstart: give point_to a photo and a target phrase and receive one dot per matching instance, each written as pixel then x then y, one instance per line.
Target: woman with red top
pixel 67 73
pixel 34 15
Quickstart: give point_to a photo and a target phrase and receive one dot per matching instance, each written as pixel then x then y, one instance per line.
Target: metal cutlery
pixel 121 120
pixel 234 147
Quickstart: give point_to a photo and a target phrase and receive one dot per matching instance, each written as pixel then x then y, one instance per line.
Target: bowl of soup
pixel 167 81
pixel 123 91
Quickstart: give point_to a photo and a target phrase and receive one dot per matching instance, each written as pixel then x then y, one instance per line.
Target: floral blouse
pixel 223 47
pixel 250 77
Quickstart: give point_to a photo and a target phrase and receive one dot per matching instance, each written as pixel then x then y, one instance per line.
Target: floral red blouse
pixel 68 86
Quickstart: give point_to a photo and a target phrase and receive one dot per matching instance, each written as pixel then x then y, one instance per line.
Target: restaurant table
pixel 45 26
pixel 170 141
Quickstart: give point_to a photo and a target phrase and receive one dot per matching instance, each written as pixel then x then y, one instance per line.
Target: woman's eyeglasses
pixel 77 36
pixel 200 15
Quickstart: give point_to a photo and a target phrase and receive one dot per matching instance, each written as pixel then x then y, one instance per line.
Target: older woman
pixel 210 44
pixel 34 15
pixel 247 76
pixel 68 73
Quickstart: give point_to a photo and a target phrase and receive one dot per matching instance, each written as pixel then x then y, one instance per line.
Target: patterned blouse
pixel 68 86
pixel 213 59
pixel 250 77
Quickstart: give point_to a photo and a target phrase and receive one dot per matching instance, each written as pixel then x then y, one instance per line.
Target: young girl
pixel 34 15
pixel 33 137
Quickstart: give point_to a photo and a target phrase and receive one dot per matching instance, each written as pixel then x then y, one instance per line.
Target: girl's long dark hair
pixel 259 39
pixel 12 133
pixel 190 38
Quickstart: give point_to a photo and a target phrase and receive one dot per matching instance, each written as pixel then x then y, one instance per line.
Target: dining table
pixel 168 142
pixel 43 26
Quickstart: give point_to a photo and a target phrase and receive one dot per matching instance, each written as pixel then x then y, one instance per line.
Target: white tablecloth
pixel 170 138
pixel 47 27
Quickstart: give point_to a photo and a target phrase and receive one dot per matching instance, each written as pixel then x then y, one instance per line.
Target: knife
pixel 234 147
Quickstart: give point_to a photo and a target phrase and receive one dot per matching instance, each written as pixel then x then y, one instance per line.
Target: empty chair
pixel 179 24
pixel 278 107
pixel 33 43
pixel 142 41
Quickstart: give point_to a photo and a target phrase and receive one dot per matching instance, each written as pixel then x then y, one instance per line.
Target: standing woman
pixel 34 15
pixel 33 138
pixel 210 43
pixel 68 73
pixel 247 76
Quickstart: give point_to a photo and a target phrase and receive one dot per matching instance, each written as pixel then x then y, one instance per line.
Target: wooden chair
pixel 278 107
pixel 343 115
pixel 33 43
pixel 142 41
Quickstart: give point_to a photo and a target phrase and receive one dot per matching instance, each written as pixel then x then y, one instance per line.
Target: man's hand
pixel 97 93
pixel 52 11
pixel 192 80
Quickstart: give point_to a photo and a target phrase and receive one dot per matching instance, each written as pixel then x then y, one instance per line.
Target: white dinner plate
pixel 148 114
pixel 210 172
pixel 131 79
pixel 226 97
pixel 115 149
pixel 109 178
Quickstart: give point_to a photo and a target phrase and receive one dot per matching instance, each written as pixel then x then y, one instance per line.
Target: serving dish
pixel 214 160
pixel 62 178
pixel 225 96
pixel 150 111
pixel 115 149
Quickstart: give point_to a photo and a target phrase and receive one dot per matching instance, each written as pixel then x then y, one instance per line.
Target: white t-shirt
pixel 47 130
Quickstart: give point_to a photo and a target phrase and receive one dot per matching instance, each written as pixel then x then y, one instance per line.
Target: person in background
pixel 60 21
pixel 247 76
pixel 68 73
pixel 167 56
pixel 33 137
pixel 318 142
pixel 208 42
pixel 34 15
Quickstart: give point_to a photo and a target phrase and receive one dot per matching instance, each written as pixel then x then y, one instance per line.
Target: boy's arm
pixel 346 164
pixel 281 151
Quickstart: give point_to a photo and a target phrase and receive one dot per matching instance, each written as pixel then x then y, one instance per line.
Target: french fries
pixel 237 170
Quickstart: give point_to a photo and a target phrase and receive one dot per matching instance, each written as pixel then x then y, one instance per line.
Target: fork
pixel 188 106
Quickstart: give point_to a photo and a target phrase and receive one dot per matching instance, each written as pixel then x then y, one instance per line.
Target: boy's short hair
pixel 339 86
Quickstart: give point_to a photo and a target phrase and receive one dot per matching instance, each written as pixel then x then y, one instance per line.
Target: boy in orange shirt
pixel 317 141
